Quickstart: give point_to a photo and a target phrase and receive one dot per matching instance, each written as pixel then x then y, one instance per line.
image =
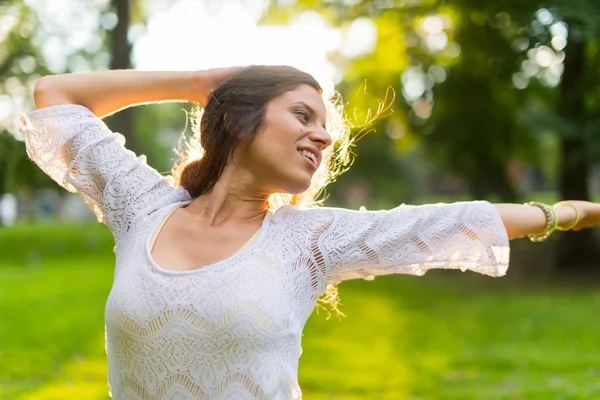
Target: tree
pixel 480 82
pixel 442 56
pixel 578 105
pixel 20 64
pixel 120 58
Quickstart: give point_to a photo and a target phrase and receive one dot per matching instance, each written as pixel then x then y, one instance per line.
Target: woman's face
pixel 286 152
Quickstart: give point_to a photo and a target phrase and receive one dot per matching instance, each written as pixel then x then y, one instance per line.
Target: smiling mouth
pixel 310 156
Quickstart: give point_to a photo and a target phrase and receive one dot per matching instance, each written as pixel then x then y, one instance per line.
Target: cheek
pixel 274 146
pixel 267 151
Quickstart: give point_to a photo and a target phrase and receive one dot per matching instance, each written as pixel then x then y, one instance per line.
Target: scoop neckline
pixel 208 267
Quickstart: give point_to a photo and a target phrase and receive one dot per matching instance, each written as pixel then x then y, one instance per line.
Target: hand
pixel 210 79
pixel 589 214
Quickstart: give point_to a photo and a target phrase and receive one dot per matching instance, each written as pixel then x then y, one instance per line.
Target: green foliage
pixel 17 172
pixel 19 57
pixel 22 63
pixel 471 119
pixel 159 129
pixel 7 160
pixel 442 336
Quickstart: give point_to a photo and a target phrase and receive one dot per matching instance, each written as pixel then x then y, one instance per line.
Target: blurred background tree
pixel 487 89
pixel 30 49
pixel 491 100
pixel 20 66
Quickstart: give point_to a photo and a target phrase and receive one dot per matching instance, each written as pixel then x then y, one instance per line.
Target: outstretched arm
pixel 106 92
pixel 414 239
pixel 522 220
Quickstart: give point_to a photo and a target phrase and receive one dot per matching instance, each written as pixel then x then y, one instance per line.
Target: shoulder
pixel 293 213
pixel 63 110
pixel 163 197
pixel 62 120
pixel 315 218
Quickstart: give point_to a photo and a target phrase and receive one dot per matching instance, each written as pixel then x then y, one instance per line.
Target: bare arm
pixel 106 92
pixel 520 220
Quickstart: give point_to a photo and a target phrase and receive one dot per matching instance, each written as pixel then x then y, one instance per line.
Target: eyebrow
pixel 310 110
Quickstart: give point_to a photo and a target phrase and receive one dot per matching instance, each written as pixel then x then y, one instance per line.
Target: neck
pixel 233 198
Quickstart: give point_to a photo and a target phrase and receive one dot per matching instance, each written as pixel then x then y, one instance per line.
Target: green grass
pixel 53 285
pixel 442 336
pixel 439 338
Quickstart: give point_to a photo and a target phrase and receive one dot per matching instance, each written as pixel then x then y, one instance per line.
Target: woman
pixel 216 277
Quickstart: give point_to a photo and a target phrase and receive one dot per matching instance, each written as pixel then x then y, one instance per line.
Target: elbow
pixel 47 94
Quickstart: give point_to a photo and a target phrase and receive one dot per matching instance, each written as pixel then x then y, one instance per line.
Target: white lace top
pixel 232 330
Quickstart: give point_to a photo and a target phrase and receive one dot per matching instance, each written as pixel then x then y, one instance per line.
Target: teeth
pixel 308 154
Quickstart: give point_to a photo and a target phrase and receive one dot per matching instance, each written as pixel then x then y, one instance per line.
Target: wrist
pixel 210 79
pixel 199 84
pixel 567 215
pixel 539 235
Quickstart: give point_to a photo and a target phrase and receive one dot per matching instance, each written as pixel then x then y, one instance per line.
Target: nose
pixel 322 137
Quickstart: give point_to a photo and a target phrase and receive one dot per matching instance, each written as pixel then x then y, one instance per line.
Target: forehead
pixel 306 94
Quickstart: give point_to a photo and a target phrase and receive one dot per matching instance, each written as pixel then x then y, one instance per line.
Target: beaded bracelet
pixel 551 222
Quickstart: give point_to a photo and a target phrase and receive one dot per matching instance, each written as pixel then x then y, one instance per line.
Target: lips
pixel 312 154
pixel 308 155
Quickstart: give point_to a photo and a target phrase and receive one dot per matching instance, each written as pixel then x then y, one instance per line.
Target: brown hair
pixel 235 113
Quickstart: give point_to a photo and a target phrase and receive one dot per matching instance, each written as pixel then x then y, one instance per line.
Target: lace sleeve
pixel 79 152
pixel 412 240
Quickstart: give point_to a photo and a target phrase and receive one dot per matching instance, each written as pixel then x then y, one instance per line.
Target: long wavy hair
pixel 235 113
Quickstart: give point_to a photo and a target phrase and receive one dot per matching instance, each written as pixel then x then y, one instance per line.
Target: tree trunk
pixel 575 249
pixel 120 58
pixel 8 158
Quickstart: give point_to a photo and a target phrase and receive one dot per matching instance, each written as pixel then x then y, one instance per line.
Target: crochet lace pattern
pixel 232 329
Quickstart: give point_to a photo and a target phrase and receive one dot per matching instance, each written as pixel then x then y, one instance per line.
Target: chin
pixel 293 183
pixel 298 187
pixel 297 191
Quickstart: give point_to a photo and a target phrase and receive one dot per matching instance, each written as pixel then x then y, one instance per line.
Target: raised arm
pixel 106 92
pixel 68 141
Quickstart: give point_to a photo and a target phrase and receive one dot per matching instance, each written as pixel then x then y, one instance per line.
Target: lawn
pixel 442 336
